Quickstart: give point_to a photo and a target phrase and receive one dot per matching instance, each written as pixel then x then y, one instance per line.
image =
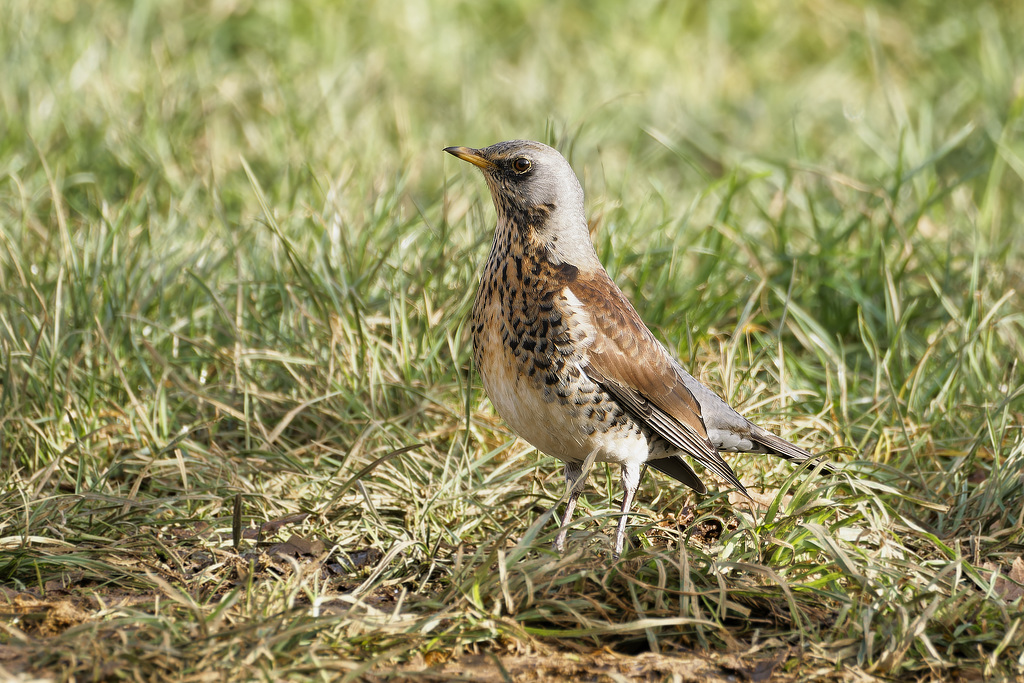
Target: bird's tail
pixel 784 449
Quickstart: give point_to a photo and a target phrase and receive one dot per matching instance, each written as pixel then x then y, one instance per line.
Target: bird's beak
pixel 471 155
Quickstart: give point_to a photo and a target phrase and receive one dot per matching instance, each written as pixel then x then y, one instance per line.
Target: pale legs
pixel 575 480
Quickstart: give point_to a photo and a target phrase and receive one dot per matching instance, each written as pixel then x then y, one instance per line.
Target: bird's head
pixel 536 193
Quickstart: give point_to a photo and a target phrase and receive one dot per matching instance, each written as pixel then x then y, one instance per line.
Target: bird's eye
pixel 521 165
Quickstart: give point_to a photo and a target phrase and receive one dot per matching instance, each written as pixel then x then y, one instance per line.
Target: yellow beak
pixel 471 155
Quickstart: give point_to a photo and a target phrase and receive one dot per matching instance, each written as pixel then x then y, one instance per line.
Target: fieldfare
pixel 564 357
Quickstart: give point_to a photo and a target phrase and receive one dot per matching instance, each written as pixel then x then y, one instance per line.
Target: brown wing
pixel 635 368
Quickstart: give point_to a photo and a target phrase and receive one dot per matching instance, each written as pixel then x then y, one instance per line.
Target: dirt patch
pixel 599 666
pixel 42 617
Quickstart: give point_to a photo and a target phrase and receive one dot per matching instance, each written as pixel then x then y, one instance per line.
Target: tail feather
pixel 784 449
pixel 680 470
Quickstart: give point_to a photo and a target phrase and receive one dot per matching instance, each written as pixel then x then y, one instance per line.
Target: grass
pixel 240 433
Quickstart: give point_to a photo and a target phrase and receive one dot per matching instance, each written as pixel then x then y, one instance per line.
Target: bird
pixel 565 358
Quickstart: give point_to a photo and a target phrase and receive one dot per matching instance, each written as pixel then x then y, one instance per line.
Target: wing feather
pixel 632 366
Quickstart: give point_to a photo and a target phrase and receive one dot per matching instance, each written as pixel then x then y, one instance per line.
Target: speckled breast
pixel 530 345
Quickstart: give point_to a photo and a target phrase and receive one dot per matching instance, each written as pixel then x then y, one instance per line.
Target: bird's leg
pixel 574 482
pixel 630 482
pixel 634 539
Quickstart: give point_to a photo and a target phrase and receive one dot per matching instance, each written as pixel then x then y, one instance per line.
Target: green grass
pixel 236 265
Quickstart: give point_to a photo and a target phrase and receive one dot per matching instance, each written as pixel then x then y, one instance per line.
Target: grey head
pixel 537 195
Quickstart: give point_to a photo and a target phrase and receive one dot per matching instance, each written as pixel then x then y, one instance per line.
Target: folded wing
pixel 638 372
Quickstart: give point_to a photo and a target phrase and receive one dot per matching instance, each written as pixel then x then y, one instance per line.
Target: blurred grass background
pixel 235 262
